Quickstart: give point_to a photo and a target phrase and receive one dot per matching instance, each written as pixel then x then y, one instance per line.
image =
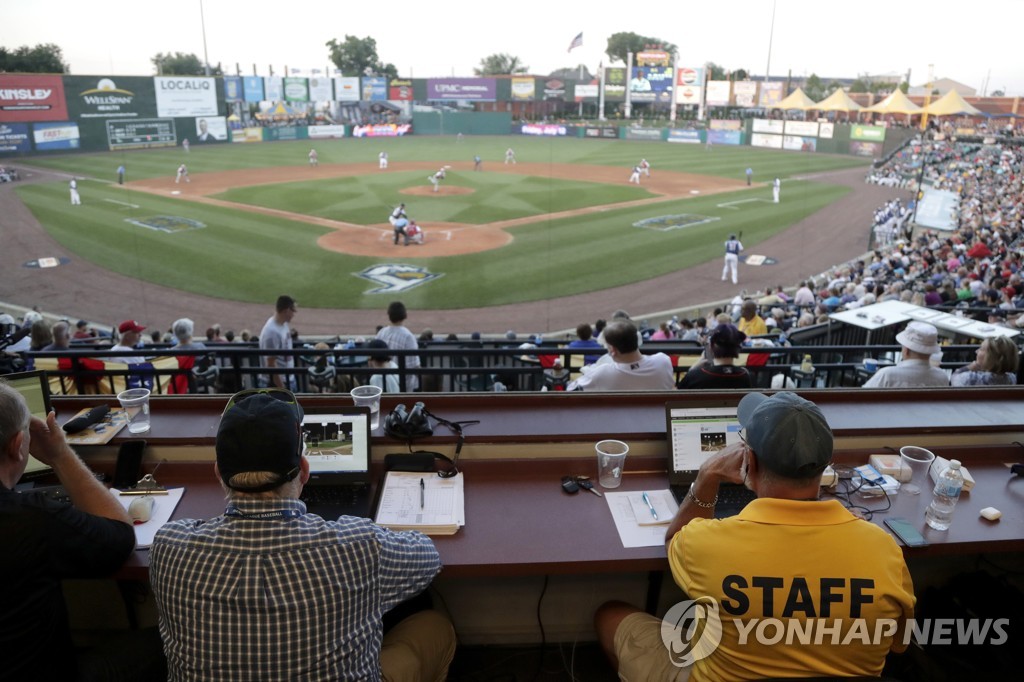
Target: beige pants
pixel 419 649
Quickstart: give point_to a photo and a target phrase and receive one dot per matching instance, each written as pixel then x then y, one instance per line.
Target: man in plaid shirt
pixel 267 591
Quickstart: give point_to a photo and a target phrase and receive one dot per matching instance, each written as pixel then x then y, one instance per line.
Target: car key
pixel 584 482
pixel 569 485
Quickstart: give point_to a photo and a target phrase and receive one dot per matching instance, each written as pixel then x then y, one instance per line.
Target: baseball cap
pixel 129 326
pixel 789 435
pixel 260 430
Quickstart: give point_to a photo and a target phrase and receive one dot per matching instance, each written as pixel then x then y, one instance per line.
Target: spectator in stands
pixel 804 297
pixel 61 339
pixel 584 339
pixel 625 368
pixel 920 341
pixel 41 335
pixel 82 331
pixel 718 370
pixel 663 333
pixel 995 365
pixel 698 331
pixel 276 335
pixel 131 335
pixel 750 322
pixel 309 594
pixel 46 542
pixel 183 330
pixel 388 383
pixel 398 337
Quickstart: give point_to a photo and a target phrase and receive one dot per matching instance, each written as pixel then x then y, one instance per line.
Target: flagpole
pixel 600 93
pixel 581 99
pixel 629 76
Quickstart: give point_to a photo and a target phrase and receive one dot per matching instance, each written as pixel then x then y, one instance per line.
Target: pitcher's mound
pixel 441 191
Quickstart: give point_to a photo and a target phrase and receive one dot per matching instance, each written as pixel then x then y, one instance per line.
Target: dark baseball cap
pixel 789 435
pixel 260 430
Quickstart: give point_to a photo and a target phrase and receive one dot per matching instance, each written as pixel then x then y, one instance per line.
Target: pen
pixel 650 506
pixel 423 487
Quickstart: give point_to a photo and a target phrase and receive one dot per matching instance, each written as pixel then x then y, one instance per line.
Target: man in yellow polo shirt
pixel 799 586
pixel 750 323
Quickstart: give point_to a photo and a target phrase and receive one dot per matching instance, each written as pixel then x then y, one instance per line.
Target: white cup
pixel 611 459
pixel 368 396
pixel 135 402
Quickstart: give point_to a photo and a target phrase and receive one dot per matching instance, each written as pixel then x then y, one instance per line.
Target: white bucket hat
pixel 919 337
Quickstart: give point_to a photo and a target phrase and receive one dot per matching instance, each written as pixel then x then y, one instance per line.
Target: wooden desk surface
pixel 519 522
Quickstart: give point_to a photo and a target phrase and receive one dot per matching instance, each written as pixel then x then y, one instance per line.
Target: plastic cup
pixel 918 461
pixel 870 364
pixel 135 402
pixel 611 458
pixel 368 396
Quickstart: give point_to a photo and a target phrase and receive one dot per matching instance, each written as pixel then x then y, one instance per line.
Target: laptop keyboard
pixel 332 495
pixel 731 498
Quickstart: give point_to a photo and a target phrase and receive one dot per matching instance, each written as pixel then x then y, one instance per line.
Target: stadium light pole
pixel 771 34
pixel 202 23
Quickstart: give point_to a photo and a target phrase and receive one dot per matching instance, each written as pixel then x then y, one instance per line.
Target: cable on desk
pixel 540 624
pixel 845 496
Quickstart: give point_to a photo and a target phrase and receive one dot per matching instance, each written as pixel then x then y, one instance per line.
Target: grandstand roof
pixel 797 99
pixel 896 103
pixel 949 104
pixel 838 101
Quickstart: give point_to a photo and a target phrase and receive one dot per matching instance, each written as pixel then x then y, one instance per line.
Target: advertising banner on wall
pixel 869 149
pixel 273 88
pixel 14 138
pixel 544 129
pixel 382 130
pixel 643 133
pixel 771 94
pixel 321 132
pixel 483 89
pixel 523 89
pixel 296 89
pixel 764 125
pixel 651 84
pixel 582 91
pixel 210 129
pixel 684 136
pixel 320 90
pixel 400 90
pixel 346 89
pixel 375 88
pixel 745 93
pixel 802 128
pixel 608 132
pixel 725 124
pixel 31 98
pixel 52 136
pixel 252 88
pixel 554 88
pixel 826 130
pixel 615 82
pixel 718 93
pixel 725 136
pixel 766 140
pixel 798 143
pixel 100 97
pixel 870 133
pixel 247 135
pixel 185 96
pixel 689 84
pixel 233 91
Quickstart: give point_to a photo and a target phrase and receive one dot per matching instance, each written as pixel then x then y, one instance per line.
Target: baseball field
pixel 256 220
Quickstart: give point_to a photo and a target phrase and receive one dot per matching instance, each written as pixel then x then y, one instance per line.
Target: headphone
pixel 417 423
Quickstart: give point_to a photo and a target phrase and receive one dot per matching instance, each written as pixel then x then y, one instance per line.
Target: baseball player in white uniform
pixel 776 188
pixel 436 178
pixel 182 173
pixel 510 156
pixel 645 167
pixel 185 145
pixel 382 160
pixel 732 257
pixel 75 199
pixel 635 176
pixel 314 159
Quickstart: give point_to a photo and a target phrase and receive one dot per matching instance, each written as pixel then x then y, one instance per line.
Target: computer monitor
pixel 36 391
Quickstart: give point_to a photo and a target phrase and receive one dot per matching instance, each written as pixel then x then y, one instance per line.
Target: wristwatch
pixel 700 503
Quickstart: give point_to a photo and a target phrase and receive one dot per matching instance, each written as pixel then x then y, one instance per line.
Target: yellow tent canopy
pixel 896 103
pixel 797 99
pixel 949 104
pixel 838 101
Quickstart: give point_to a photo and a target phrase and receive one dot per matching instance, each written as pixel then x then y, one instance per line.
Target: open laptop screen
pixel 36 391
pixel 338 443
pixel 695 433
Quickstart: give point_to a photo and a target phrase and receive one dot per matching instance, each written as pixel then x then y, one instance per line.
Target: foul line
pixel 122 203
pixel 730 204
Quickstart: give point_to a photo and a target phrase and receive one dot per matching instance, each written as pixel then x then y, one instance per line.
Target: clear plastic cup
pixel 611 459
pixel 368 396
pixel 135 402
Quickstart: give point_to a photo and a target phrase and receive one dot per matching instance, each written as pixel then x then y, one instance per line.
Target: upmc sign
pixel 32 98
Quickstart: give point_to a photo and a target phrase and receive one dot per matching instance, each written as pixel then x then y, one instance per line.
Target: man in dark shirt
pixel 45 541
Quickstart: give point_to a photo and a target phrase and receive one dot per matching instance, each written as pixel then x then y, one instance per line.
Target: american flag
pixel 576 42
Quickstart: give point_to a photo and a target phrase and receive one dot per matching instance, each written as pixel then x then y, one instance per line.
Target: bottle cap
pixel 954 464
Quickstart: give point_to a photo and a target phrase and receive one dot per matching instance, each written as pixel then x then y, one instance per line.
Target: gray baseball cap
pixel 789 435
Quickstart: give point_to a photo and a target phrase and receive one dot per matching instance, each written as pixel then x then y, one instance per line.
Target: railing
pixel 443 367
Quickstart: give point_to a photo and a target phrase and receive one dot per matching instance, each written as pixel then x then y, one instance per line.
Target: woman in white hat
pixel 920 341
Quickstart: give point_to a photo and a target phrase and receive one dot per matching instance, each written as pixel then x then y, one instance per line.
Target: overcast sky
pixel 424 38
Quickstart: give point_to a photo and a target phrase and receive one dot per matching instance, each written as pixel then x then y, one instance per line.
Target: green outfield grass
pixel 249 257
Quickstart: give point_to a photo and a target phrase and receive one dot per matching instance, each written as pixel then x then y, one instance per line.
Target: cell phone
pixel 905 531
pixel 128 470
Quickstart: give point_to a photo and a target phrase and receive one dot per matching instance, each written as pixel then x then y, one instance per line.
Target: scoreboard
pixel 141 133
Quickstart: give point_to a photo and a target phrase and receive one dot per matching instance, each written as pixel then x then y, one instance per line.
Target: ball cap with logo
pixel 260 432
pixel 789 435
pixel 919 337
pixel 129 326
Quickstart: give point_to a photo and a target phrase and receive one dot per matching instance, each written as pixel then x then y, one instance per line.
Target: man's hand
pixel 725 466
pixel 48 444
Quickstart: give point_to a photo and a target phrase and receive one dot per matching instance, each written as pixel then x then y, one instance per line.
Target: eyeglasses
pixel 284 395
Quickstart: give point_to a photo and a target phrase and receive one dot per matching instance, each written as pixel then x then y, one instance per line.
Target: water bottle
pixel 947 491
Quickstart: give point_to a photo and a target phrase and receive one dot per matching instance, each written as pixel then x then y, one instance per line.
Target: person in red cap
pixel 131 334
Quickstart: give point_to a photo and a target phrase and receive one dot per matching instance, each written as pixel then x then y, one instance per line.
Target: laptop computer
pixel 696 431
pixel 34 387
pixel 338 450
